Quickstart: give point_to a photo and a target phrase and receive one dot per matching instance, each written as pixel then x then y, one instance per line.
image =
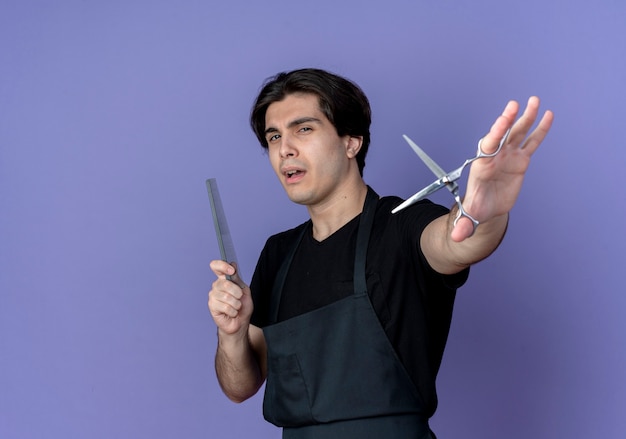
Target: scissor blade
pixel 433 187
pixel 434 167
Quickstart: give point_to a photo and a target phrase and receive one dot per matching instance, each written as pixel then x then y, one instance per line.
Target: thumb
pixel 462 230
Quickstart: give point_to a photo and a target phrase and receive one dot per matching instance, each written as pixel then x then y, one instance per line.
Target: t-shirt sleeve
pixel 413 223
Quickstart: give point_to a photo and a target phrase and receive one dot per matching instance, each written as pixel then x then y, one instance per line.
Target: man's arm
pixel 240 364
pixel 492 190
pixel 240 360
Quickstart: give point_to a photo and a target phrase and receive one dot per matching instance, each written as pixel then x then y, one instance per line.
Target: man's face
pixel 311 161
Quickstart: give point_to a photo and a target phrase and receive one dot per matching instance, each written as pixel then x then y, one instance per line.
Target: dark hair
pixel 342 102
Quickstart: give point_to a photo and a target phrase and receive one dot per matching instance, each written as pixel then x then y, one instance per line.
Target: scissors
pixel 447 179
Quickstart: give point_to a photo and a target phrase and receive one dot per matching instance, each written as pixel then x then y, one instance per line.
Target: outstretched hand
pixel 494 183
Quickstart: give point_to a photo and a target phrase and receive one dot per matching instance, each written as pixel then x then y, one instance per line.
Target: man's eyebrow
pixel 302 120
pixel 294 123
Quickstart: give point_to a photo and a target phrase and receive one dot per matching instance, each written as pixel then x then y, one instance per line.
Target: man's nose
pixel 287 147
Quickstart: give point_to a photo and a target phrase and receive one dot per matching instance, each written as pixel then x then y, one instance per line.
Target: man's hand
pixel 494 183
pixel 230 301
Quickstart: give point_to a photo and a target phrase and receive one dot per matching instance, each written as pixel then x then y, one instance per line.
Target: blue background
pixel 113 114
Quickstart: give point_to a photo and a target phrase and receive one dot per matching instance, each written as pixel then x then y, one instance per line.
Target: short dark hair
pixel 342 102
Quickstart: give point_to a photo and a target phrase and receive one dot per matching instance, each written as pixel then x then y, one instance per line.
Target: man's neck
pixel 338 211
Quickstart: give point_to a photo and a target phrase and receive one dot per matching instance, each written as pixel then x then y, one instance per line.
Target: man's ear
pixel 353 145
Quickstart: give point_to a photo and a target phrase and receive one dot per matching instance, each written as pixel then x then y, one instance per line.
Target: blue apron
pixel 332 372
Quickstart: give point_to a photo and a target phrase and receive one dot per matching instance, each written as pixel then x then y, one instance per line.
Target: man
pixel 348 314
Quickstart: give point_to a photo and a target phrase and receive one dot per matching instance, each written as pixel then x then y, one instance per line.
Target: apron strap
pixel 281 276
pixel 363 236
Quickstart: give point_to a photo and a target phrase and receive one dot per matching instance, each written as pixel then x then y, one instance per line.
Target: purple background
pixel 113 114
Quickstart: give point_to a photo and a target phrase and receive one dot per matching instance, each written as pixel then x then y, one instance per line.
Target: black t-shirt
pixel 413 302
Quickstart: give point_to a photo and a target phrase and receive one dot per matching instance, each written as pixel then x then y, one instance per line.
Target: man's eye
pixel 303 129
pixel 274 137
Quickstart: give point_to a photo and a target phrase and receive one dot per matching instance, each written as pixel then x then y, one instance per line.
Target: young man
pixel 348 314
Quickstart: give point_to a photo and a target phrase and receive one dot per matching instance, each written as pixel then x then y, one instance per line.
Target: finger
pixel 536 137
pixel 491 141
pixel 222 309
pixel 524 123
pixel 510 111
pixel 225 286
pixel 221 302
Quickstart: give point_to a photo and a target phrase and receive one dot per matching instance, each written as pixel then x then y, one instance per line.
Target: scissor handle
pixel 482 154
pixel 461 212
pixel 454 175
